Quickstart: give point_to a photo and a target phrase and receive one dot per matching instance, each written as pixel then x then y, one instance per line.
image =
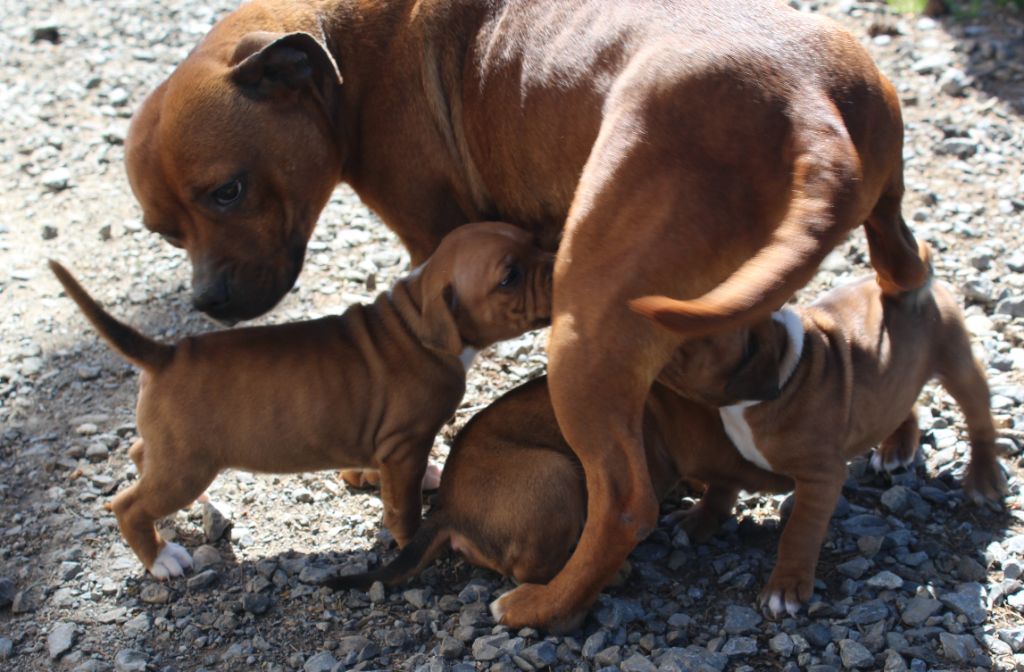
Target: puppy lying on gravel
pixel 802 393
pixel 513 498
pixel 368 388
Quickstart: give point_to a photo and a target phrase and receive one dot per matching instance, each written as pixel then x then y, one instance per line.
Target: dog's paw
pixel 888 458
pixel 698 522
pixel 786 593
pixel 360 479
pixel 531 605
pixel 172 561
pixel 985 482
pixel 432 477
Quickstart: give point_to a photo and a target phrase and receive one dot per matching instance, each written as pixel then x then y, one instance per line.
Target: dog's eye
pixel 511 279
pixel 228 193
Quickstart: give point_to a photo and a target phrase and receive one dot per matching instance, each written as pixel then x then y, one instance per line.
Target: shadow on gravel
pixel 991 42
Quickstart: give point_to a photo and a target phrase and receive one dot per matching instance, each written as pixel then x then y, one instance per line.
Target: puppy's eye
pixel 228 193
pixel 511 279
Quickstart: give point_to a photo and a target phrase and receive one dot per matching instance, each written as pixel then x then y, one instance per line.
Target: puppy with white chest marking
pixel 804 392
pixel 368 388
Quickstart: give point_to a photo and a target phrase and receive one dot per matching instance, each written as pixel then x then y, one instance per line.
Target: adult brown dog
pixel 513 498
pixel 804 393
pixel 368 388
pixel 713 150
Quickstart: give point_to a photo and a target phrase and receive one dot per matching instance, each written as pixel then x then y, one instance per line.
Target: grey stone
pixel 215 522
pixel 155 593
pixel 919 610
pixel 959 648
pixel 1012 306
pixel 855 567
pixel 1013 636
pixel 69 570
pixel 885 579
pixel 855 655
pixel 26 600
pixel 206 556
pixel 321 662
pixel 256 603
pixel 638 663
pixel 962 148
pixel 60 639
pixel 56 179
pixel 740 646
pixel 953 81
pixel 8 589
pixel 377 593
pixel 781 644
pixel 543 654
pixel 968 600
pixel 316 573
pixel 451 648
pixel 417 597
pixel 690 659
pixel 609 657
pixel 6 648
pixel 594 643
pixel 740 620
pixel 49 232
pixel 488 647
pixel 202 580
pixel 865 524
pixel 130 660
pixel 894 662
pixel 868 612
pixel 932 64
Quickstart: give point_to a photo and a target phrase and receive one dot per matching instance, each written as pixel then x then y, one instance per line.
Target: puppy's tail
pixel 133 346
pixel 426 545
pixel 825 206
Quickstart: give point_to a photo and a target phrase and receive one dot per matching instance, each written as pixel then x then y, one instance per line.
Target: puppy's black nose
pixel 213 296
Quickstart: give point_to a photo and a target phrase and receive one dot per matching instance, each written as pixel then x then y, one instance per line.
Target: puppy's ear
pixel 757 376
pixel 273 64
pixel 438 329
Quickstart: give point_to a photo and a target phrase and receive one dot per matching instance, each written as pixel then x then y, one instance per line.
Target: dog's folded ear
pixel 757 376
pixel 272 64
pixel 438 329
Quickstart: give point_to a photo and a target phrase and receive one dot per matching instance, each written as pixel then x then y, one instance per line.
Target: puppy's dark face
pixel 232 159
pixel 719 370
pixel 487 282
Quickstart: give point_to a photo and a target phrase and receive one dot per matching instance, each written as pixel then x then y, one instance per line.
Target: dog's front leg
pixel 792 581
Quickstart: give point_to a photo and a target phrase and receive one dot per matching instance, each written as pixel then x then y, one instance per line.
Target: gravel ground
pixel 911 576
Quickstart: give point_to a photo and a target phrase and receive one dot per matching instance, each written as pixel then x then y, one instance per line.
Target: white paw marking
pixel 792 607
pixel 467 356
pixel 775 603
pixel 432 477
pixel 498 609
pixel 173 560
pixel 876 461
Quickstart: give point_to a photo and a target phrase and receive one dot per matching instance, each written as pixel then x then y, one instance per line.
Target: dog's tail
pixel 824 208
pixel 133 346
pixel 426 545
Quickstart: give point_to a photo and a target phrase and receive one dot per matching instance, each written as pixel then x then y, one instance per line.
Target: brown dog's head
pixel 233 158
pixel 486 282
pixel 740 365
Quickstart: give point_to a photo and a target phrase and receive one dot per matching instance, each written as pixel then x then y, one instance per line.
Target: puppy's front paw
pixel 699 523
pixel 786 593
pixel 172 560
pixel 985 481
pixel 532 605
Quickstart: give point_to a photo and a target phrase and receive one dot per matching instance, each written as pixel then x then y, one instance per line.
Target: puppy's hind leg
pixel 964 379
pixel 899 448
pixel 138 507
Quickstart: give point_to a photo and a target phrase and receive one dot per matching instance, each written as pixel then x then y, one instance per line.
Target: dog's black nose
pixel 213 296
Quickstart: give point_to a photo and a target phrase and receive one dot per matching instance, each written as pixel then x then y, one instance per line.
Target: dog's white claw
pixel 792 607
pixel 173 560
pixel 876 461
pixel 775 603
pixel 498 609
pixel 432 477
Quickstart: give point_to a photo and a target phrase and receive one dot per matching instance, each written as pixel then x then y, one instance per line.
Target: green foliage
pixel 904 6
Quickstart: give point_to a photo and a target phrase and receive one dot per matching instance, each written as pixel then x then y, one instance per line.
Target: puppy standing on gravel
pixel 368 388
pixel 801 394
pixel 513 498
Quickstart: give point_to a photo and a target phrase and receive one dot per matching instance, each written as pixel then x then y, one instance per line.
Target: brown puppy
pixel 805 392
pixel 513 498
pixel 674 145
pixel 368 388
